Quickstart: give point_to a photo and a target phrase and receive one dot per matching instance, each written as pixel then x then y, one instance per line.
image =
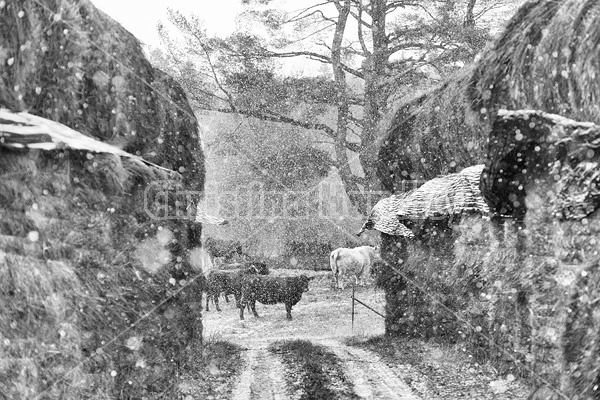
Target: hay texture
pixel 525 145
pixel 448 195
pixel 25 131
pixel 519 290
pixel 546 59
pixel 421 140
pixel 69 62
pixel 100 296
pixel 83 315
pixel 442 199
pixel 384 218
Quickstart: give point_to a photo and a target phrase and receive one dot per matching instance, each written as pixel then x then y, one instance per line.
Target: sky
pixel 141 16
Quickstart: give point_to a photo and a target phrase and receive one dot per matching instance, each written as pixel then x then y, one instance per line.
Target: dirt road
pixel 323 318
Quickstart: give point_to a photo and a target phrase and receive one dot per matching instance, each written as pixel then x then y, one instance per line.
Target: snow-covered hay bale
pixel 83 315
pixel 384 217
pixel 547 58
pixel 69 62
pixel 448 195
pixel 433 205
pixel 519 291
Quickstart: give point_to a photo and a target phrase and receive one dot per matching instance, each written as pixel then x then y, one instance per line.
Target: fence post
pixel 353 288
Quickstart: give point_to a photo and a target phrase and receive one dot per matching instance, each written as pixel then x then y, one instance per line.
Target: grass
pixel 440 371
pixel 211 370
pixel 313 372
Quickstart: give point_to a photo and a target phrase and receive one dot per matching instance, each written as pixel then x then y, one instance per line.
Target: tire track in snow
pixel 371 377
pixel 242 389
pixel 262 377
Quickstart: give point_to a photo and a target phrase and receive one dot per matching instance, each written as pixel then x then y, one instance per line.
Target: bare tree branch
pixel 394 5
pixel 413 45
pixel 469 20
pixel 360 20
pixel 323 44
pixel 326 129
pixel 422 7
pixel 299 13
pixel 313 56
pixel 215 77
pixel 357 121
pixel 489 7
pixel 311 34
pixel 361 38
pixel 316 12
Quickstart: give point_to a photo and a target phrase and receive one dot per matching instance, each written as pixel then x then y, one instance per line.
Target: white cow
pixel 357 261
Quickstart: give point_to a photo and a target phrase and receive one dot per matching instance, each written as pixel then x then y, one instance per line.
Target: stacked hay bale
pixel 98 299
pixel 552 194
pixel 530 271
pixel 418 232
pixel 420 142
pixel 547 59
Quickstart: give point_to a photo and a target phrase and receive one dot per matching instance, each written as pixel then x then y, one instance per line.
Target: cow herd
pixel 250 282
pixel 229 282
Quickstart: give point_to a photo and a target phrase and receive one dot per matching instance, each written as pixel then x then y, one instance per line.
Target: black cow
pixel 272 290
pixel 229 282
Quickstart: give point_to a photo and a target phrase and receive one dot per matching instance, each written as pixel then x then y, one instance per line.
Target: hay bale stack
pixel 71 63
pixel 546 59
pixel 74 289
pixel 98 299
pixel 421 143
pixel 422 289
pixel 581 346
pixel 527 146
pixel 528 281
pixel 543 171
pixel 432 206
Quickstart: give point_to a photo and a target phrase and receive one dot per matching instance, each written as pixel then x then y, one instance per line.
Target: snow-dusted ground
pixel 416 370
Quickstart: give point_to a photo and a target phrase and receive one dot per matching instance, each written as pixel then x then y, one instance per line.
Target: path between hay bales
pixel 323 319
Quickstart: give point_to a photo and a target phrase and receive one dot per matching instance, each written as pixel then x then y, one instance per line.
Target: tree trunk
pixel 343 108
pixel 470 17
pixel 374 68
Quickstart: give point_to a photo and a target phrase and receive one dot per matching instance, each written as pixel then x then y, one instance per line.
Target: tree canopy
pixel 370 53
pixel 312 86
